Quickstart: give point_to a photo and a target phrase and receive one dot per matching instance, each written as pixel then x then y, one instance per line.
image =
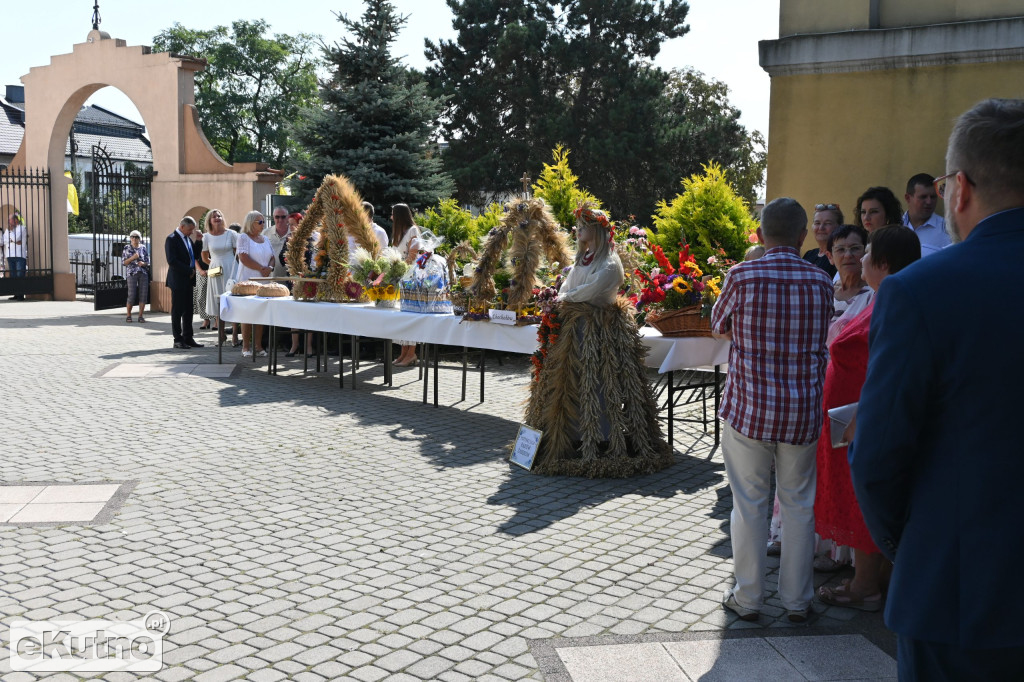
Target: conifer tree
pixel 526 75
pixel 375 122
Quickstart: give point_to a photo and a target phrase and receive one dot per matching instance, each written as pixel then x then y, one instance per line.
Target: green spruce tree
pixel 376 120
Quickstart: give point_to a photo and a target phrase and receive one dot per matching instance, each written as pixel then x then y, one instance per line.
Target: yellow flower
pixel 681 285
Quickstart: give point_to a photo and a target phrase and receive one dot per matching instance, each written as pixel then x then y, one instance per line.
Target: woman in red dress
pixel 836 513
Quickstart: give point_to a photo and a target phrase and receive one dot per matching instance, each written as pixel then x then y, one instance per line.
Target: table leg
pixel 270 353
pixel 387 361
pixel 437 356
pixel 483 361
pixel 341 364
pixel 425 370
pixel 354 358
pixel 670 393
pixel 465 363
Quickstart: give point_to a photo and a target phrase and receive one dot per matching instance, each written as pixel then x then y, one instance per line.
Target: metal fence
pixel 25 193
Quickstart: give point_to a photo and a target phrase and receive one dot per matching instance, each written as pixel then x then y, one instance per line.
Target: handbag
pixel 215 272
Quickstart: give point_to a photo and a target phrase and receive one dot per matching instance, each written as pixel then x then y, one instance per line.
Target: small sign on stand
pixel 502 316
pixel 525 449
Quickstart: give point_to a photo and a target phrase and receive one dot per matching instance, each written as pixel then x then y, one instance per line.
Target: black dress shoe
pixel 181 344
pixel 192 343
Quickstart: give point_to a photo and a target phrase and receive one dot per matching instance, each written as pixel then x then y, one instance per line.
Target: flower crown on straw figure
pixel 594 217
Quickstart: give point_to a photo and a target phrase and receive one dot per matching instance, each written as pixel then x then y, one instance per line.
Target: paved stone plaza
pixel 293 530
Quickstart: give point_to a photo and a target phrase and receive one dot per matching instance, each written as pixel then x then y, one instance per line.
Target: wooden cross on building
pixel 526 184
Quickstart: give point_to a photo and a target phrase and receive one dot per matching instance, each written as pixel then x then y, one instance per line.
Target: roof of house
pixel 12 127
pixel 123 138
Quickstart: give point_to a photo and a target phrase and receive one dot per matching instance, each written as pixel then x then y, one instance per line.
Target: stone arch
pixel 189 173
pixel 197 213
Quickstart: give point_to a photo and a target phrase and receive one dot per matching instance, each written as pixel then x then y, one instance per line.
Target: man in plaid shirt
pixel 776 311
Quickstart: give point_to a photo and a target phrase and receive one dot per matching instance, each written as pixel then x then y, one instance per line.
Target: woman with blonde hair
pixel 255 259
pixel 219 245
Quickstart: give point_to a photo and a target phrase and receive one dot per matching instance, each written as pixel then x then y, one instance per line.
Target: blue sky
pixel 722 41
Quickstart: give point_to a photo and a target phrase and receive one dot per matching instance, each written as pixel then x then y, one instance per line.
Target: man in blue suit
pixel 181 277
pixel 938 456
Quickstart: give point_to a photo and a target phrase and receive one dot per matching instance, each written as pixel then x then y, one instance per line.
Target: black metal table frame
pixel 666 385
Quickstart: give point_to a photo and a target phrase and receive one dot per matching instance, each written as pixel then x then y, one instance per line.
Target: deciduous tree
pixel 252 89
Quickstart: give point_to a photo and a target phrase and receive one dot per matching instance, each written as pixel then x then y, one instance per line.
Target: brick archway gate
pixel 188 172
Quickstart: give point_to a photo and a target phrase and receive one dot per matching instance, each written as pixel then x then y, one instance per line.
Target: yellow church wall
pixel 822 16
pixel 835 135
pixel 826 16
pixel 898 13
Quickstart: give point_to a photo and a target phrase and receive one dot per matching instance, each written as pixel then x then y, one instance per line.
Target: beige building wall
pixel 858 108
pixel 189 174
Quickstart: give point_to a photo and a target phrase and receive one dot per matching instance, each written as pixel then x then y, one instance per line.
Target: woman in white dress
pixel 255 259
pixel 405 237
pixel 219 252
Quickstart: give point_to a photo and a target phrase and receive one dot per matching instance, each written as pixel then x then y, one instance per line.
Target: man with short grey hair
pixel 776 310
pixel 937 460
pixel 181 277
pixel 277 234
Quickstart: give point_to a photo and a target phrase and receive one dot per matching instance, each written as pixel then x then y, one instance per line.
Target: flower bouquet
pixel 379 277
pixel 677 301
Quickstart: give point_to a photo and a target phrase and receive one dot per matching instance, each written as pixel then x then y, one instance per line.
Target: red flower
pixel 659 255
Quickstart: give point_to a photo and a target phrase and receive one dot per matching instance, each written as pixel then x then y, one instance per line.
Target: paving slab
pixel 621 663
pixel 839 657
pixel 65 494
pixel 61 512
pixel 19 494
pixel 750 660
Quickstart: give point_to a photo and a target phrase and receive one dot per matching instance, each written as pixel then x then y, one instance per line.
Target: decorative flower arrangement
pixel 547 335
pixel 665 287
pixel 592 215
pixel 634 250
pixel 379 277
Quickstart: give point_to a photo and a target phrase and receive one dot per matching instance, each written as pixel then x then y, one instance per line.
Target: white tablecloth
pixel 365 319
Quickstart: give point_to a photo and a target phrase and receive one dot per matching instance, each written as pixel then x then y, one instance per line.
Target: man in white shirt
pixel 379 232
pixel 277 234
pixel 921 216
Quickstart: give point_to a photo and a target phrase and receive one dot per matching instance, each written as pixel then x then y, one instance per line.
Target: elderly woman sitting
pixel 836 514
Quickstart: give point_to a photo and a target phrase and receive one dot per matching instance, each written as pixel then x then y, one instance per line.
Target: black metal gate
pixel 122 200
pixel 27 236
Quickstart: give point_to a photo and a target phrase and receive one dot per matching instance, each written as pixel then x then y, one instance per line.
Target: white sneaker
pixel 261 354
pixel 246 353
pixel 749 615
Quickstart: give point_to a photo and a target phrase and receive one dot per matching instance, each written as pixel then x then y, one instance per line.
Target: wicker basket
pixel 682 322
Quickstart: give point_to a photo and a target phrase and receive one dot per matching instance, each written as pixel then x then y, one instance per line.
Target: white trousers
pixel 748 465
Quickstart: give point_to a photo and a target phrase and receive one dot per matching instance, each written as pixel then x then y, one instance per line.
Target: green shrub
pixel 490 218
pixel 708 215
pixel 451 221
pixel 557 186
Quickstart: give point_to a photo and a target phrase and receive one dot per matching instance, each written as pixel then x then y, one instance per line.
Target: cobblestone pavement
pixel 295 530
